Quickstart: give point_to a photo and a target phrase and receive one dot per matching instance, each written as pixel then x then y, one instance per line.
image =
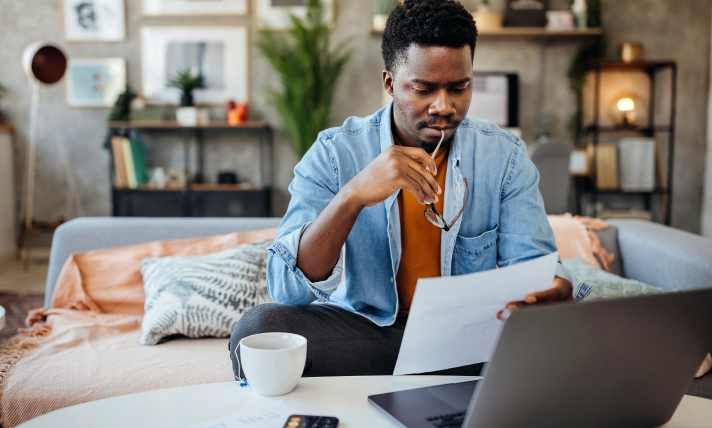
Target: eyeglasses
pixel 437 219
pixel 432 214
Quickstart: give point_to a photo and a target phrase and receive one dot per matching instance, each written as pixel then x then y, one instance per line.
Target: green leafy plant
pixel 121 111
pixel 187 81
pixel 308 69
pixel 383 7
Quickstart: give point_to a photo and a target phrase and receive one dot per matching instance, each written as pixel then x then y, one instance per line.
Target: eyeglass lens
pixel 434 218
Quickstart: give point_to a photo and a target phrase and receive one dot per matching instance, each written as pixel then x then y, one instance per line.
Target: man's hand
pixel 396 168
pixel 561 290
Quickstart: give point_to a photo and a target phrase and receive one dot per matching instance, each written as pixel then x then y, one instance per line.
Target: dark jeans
pixel 339 342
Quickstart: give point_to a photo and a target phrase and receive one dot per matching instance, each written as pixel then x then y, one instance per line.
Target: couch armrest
pixel 663 256
pixel 94 233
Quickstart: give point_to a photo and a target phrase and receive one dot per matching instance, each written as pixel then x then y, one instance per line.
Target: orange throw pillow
pixel 109 281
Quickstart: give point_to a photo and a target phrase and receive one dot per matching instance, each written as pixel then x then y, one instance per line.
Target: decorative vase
pixel 186 100
pixel 486 19
pixel 630 51
pixel 187 116
pixel 379 22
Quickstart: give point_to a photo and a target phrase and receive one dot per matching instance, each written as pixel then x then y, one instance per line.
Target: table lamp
pixel 625 108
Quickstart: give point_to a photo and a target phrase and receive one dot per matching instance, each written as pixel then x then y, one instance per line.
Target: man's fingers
pixel 420 169
pixel 421 156
pixel 415 188
pixel 550 295
pixel 425 189
pixel 512 306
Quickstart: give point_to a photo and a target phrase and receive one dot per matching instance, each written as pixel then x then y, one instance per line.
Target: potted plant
pixel 381 10
pixel 308 70
pixel 187 81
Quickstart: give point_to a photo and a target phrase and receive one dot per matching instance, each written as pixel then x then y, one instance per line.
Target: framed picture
pixel 193 7
pixel 219 54
pixel 94 20
pixel 274 14
pixel 94 82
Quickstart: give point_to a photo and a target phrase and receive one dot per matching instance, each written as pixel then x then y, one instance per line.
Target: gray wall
pixel 678 30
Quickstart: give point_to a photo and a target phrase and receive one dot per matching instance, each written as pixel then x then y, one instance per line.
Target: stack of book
pixel 129 162
pixel 607 167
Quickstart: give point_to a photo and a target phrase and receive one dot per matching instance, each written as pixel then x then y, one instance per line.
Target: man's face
pixel 431 92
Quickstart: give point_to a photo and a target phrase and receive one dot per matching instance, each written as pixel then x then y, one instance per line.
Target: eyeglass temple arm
pixel 467 197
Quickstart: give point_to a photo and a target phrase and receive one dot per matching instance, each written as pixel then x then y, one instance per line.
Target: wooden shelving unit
pixel 169 124
pixel 651 68
pixel 197 198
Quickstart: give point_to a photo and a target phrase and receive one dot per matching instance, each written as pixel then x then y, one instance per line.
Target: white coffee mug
pixel 273 362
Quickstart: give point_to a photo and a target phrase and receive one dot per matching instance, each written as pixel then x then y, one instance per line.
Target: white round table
pixel 343 397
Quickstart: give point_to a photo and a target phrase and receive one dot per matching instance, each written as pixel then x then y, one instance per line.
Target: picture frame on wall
pixel 94 20
pixel 274 14
pixel 219 53
pixel 94 82
pixel 193 7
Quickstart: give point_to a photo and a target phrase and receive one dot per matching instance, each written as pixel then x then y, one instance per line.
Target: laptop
pixel 617 363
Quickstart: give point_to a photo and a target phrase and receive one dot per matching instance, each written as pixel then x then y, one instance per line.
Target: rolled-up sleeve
pixel 524 231
pixel 314 186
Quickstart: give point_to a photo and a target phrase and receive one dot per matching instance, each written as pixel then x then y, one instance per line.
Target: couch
pixel 649 252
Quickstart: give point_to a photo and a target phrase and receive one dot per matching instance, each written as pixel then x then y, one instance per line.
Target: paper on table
pixel 270 416
pixel 453 320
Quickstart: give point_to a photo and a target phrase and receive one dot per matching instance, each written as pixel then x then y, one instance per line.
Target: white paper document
pixel 271 416
pixel 453 320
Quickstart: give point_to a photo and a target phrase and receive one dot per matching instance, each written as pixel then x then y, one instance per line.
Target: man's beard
pixel 430 147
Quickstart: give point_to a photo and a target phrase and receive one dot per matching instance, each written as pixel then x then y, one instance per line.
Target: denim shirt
pixel 504 221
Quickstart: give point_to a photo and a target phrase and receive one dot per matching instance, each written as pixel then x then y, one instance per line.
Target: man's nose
pixel 441 105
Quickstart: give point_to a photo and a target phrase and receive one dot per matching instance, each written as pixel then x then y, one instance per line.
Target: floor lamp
pixel 45 64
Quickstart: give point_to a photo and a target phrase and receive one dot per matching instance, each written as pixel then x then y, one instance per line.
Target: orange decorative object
pixel 243 111
pixel 233 117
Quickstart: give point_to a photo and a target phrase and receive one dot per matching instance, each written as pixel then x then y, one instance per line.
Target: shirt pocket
pixel 475 254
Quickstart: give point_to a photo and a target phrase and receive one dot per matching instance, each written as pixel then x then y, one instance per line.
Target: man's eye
pixel 423 91
pixel 459 90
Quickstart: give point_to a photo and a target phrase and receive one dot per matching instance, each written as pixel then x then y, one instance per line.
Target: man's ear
pixel 388 82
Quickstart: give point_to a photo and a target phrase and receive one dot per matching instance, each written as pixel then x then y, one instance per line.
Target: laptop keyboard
pixel 451 420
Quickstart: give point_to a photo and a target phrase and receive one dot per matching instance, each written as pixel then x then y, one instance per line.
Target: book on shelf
pixel 117 151
pixel 607 167
pixel 129 162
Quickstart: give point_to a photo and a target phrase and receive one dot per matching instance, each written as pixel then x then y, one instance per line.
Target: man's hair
pixel 426 23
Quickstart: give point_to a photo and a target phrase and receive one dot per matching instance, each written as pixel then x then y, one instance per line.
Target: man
pixel 364 186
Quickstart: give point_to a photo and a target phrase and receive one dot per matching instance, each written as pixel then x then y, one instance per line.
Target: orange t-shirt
pixel 420 239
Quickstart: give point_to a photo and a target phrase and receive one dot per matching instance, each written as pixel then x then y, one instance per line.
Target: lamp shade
pixel 44 61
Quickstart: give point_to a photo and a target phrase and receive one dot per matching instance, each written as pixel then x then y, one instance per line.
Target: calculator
pixel 305 421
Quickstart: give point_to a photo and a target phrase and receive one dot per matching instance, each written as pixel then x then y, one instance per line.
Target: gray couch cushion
pixel 605 285
pixel 609 241
pixel 663 256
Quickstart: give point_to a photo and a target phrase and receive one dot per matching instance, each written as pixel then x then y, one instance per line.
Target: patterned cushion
pixel 605 285
pixel 202 296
